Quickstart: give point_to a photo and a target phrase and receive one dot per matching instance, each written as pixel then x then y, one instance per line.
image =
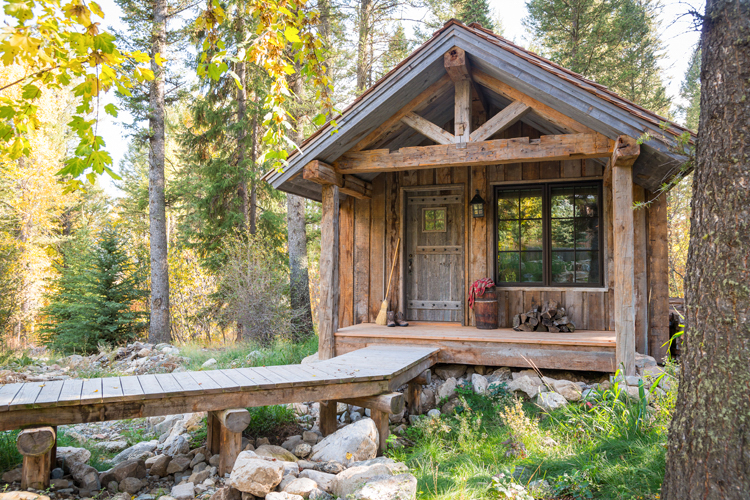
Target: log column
pixel 36 446
pixel 381 407
pixel 658 277
pixel 625 153
pixel 225 436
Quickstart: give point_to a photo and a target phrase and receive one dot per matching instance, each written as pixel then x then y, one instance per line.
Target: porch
pixel 582 350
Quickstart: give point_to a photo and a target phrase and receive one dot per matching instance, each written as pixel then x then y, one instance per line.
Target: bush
pixel 253 289
pixel 95 299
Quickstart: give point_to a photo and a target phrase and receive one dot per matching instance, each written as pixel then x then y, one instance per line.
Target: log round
pixel 36 441
pixel 236 420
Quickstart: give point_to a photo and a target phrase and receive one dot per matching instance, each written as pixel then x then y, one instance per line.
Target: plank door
pixel 434 251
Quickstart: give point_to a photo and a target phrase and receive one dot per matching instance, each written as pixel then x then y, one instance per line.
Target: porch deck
pixel 583 350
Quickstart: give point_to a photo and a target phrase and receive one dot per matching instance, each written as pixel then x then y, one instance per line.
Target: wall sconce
pixel 477 206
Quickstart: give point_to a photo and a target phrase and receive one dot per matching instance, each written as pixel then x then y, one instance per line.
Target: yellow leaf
pixel 291 34
pixel 349 455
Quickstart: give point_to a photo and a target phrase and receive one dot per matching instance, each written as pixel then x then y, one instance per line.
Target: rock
pixel 112 446
pixel 434 413
pixel 288 478
pixel 22 495
pixel 500 375
pixel 282 495
pixel 330 467
pixel 310 437
pixel 180 463
pixel 130 485
pixel 549 401
pixel 200 476
pixel 291 442
pixel 56 473
pixel 479 383
pixel 324 480
pixel 447 388
pixel 632 380
pixel 651 372
pixel 450 371
pixel 319 494
pixel 277 452
pixel 129 468
pixel 159 465
pixel 352 443
pixel 214 460
pixel 312 358
pixel 353 478
pixel 225 493
pixel 209 363
pixel 354 416
pixel 302 486
pixel 201 466
pixel 569 390
pixel 183 491
pixel 177 445
pixel 393 466
pixel 527 385
pixel 400 487
pixel 427 398
pixel 198 458
pixel 291 468
pixel 59 484
pixel 302 450
pixel 135 451
pixel 71 455
pixel 396 417
pixel 634 393
pixel 262 441
pixel 13 476
pixel 450 406
pixel 643 361
pixel 86 477
pixel 253 474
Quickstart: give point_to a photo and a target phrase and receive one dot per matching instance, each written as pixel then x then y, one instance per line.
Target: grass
pixel 282 352
pixel 611 449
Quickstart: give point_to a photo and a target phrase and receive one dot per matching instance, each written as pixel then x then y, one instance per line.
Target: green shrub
pixel 265 420
pixel 9 456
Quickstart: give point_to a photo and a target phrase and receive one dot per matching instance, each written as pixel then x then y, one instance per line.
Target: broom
pixel 382 315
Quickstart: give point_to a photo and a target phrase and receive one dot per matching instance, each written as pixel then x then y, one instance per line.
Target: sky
pixel 678 37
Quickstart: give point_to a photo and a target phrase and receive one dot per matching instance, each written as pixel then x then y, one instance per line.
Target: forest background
pixel 238 259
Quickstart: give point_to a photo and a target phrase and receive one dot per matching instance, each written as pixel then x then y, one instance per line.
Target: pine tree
pixel 473 11
pixel 398 48
pixel 613 42
pixel 96 298
pixel 690 91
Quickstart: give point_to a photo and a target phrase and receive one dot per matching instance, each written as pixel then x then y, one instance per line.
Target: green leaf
pixel 31 92
pixel 319 120
pixel 111 109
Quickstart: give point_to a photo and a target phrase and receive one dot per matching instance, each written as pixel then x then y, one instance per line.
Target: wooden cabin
pixel 552 163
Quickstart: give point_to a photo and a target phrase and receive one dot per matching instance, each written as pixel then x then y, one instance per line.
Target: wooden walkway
pixel 360 373
pixel 581 350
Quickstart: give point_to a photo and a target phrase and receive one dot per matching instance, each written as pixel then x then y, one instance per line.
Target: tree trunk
pixel 253 210
pixel 159 327
pixel 363 45
pixel 709 438
pixel 302 324
pixel 242 130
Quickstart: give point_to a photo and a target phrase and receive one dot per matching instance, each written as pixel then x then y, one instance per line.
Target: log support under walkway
pixel 225 436
pixel 38 446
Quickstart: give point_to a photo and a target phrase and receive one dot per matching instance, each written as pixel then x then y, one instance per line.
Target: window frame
pixel 546 188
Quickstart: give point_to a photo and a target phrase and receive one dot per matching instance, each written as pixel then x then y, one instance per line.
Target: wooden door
pixel 434 251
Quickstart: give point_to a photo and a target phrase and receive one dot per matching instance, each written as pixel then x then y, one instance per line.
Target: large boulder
pixel 479 383
pixel 129 468
pixel 71 455
pixel 180 463
pixel 355 442
pixel 131 485
pixel 277 452
pixel 446 389
pixel 158 465
pixel 353 478
pixel 176 445
pixel 226 493
pixel 183 491
pixel 393 466
pixel 255 475
pixel 13 476
pixel 22 495
pixel 301 486
pixel 500 375
pixel 400 487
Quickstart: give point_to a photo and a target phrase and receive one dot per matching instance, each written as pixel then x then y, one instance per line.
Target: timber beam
pixel 428 129
pixel 325 175
pixel 499 151
pixel 625 153
pixel 458 68
pixel 501 121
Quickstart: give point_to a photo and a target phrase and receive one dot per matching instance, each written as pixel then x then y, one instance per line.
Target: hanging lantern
pixel 477 206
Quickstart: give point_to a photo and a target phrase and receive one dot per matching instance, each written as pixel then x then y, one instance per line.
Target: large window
pixel 548 234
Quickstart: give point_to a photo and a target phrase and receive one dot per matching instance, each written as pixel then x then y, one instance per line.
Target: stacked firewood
pixel 549 317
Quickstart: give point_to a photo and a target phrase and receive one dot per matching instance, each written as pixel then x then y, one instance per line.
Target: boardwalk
pixel 364 372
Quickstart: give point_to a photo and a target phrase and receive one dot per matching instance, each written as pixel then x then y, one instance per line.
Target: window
pixel 549 235
pixel 433 220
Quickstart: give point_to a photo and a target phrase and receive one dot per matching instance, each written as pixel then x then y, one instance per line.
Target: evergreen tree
pixel 466 11
pixel 398 48
pixel 613 42
pixel 96 298
pixel 690 91
pixel 473 11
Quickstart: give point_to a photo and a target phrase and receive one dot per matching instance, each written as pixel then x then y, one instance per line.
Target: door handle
pixel 411 261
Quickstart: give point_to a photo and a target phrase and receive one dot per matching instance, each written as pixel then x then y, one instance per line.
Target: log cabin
pixel 475 158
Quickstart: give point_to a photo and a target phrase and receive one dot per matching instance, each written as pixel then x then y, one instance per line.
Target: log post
pixel 225 435
pixel 625 153
pixel 328 311
pixel 413 398
pixel 381 422
pixel 36 447
pixel 381 407
pixel 658 277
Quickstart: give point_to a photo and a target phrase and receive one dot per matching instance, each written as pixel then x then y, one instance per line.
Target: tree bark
pixel 159 327
pixel 253 210
pixel 242 130
pixel 364 44
pixel 708 454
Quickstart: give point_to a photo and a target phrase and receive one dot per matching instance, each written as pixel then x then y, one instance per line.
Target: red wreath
pixel 478 288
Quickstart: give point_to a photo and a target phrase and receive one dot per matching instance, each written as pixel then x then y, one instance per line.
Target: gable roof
pixel 583 100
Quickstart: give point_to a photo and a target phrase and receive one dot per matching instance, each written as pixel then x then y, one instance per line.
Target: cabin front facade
pixel 475 158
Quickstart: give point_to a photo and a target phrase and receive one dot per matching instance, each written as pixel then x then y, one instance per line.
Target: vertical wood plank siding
pixel 377 246
pixel 346 262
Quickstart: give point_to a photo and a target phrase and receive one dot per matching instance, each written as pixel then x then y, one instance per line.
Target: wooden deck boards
pixel 581 350
pixel 360 373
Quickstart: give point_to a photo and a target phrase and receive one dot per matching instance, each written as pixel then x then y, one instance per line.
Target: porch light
pixel 477 206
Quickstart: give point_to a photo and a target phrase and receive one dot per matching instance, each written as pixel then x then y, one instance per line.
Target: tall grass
pixel 282 352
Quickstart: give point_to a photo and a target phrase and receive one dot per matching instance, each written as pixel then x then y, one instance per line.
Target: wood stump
pixel 36 446
pixel 225 436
